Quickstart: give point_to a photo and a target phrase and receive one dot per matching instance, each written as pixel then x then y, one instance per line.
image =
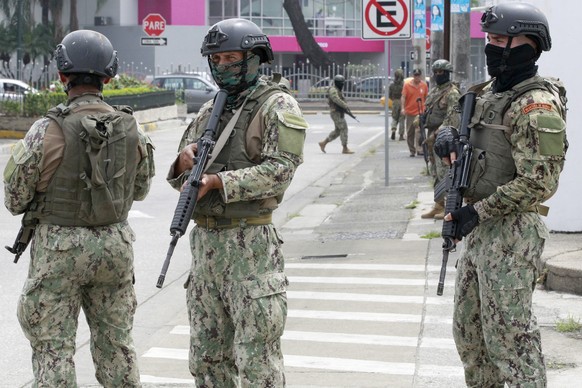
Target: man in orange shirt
pixel 412 91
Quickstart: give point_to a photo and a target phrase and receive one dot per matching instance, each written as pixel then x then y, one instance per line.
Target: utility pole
pixel 460 28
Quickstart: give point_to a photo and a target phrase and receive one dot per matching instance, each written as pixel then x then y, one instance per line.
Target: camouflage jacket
pixel 275 166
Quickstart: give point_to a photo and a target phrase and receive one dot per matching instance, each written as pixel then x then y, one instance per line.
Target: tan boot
pixel 322 145
pixel 346 150
pixel 437 209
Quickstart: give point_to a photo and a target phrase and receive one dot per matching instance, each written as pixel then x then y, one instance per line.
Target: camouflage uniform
pixel 494 327
pixel 236 287
pixel 442 107
pixel 75 267
pixel 337 107
pixel 395 93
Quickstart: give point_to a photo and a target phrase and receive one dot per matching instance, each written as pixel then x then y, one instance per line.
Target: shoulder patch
pixel 536 105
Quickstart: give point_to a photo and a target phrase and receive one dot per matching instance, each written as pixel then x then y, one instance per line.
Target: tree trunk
pixel 306 41
pixel 56 8
pixel 73 19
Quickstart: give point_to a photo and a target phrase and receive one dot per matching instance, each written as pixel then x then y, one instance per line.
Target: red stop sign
pixel 154 24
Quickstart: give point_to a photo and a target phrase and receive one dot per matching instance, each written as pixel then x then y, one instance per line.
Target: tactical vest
pixel 94 183
pixel 236 155
pixel 436 106
pixel 492 164
pixel 395 90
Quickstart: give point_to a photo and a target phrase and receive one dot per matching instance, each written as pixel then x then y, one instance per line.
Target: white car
pixel 13 89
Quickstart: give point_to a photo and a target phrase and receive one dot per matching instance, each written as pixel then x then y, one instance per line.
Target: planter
pixel 144 101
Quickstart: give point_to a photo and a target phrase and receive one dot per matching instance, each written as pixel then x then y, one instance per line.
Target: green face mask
pixel 238 76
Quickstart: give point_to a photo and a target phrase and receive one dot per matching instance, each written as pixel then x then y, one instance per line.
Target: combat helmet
pixel 339 81
pixel 237 35
pixel 86 52
pixel 442 64
pixel 514 19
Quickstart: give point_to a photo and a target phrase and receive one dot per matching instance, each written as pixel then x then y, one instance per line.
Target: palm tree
pixel 306 41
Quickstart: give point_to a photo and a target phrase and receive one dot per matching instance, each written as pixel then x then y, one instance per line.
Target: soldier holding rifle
pixel 236 288
pixel 518 140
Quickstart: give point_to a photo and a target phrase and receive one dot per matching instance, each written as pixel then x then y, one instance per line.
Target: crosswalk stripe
pixel 349 365
pixel 365 339
pixel 372 317
pixel 165 380
pixel 372 298
pixel 365 267
pixel 357 280
pixel 323 363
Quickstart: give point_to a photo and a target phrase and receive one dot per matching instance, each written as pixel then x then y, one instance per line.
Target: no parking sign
pixel 386 19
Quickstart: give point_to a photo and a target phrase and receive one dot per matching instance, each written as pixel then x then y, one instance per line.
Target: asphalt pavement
pixel 361 208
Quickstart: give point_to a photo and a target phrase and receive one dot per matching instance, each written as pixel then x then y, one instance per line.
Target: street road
pixel 349 324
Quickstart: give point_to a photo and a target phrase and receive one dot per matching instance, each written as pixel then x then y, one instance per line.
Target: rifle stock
pixel 189 194
pixel 22 239
pixel 457 182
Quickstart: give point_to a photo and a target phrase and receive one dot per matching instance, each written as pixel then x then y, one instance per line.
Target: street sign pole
pixel 387 20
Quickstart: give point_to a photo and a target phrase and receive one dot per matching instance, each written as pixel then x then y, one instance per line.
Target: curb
pixel 564 273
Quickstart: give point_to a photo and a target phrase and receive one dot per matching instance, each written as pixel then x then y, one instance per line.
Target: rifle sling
pixel 224 136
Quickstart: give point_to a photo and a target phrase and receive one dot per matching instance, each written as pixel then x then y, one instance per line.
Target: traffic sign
pixel 154 41
pixel 154 24
pixel 386 19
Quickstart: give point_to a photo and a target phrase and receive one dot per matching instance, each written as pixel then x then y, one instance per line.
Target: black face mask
pixel 442 78
pixel 518 66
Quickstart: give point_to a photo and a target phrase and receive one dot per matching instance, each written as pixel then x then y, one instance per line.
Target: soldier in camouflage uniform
pixel 518 131
pixel 394 94
pixel 442 109
pixel 75 175
pixel 236 289
pixel 337 110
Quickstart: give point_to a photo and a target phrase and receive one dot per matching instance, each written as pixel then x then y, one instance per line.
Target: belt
pixel 542 210
pixel 208 222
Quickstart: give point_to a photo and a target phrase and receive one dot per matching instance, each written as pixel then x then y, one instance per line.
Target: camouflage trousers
pixel 494 327
pixel 397 118
pixel 237 305
pixel 73 268
pixel 340 128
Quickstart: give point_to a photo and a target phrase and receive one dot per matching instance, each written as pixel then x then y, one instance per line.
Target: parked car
pixel 301 82
pixel 194 89
pixel 370 87
pixel 13 89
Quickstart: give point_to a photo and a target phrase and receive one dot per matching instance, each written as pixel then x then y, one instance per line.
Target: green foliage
pixel 412 205
pixel 36 105
pixel 431 235
pixel 568 325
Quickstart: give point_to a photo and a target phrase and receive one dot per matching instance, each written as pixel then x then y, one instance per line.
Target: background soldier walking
pixel 394 94
pixel 76 174
pixel 337 110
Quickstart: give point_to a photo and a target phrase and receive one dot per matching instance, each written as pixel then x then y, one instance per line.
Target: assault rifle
pixel 457 181
pixel 22 239
pixel 189 194
pixel 349 113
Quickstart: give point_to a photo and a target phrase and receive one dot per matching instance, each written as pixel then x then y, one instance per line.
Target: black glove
pixel 447 141
pixel 467 219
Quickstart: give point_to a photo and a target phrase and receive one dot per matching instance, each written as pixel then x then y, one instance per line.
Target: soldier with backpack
pixel 75 175
pixel 518 135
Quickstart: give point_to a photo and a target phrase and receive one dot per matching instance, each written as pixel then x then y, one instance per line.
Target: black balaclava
pixel 442 78
pixel 510 66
